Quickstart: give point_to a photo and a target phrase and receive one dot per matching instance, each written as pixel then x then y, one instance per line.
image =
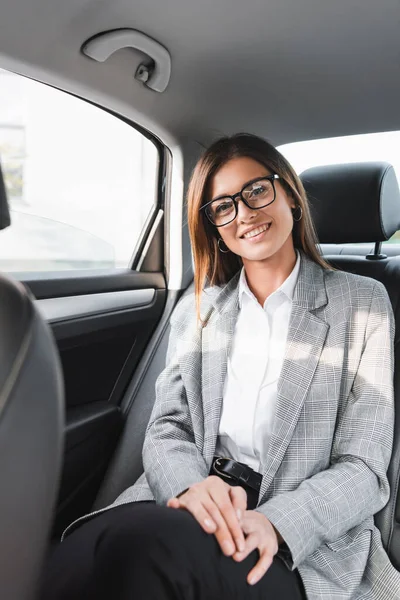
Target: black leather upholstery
pixel 31 430
pixel 353 203
pixel 379 193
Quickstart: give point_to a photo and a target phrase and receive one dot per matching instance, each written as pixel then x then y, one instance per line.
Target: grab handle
pixel 103 45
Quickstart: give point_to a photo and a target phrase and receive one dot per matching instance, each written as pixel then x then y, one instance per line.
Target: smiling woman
pixel 272 414
pixel 261 232
pixel 285 366
pixel 241 163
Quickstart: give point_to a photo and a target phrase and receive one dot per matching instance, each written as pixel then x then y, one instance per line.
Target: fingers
pixel 221 509
pixel 251 543
pixel 201 511
pixel 239 500
pixel 261 535
pixel 211 504
pixel 209 516
pixel 231 538
pixel 264 562
pixel 198 511
pixel 229 532
pixel 173 503
pixel 262 566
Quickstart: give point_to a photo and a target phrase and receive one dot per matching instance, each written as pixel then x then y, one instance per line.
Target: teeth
pixel 254 232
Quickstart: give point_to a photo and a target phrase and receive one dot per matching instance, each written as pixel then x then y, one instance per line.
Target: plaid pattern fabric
pixel 324 474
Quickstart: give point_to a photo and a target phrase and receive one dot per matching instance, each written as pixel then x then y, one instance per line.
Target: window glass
pixel 356 148
pixel 81 183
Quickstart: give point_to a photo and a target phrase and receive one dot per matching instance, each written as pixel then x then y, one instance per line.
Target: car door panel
pixel 102 323
pixel 91 435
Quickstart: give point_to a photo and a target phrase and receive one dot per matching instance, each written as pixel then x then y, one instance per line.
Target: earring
pixel 220 249
pixel 298 207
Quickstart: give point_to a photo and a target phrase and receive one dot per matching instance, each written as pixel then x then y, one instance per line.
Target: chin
pixel 258 256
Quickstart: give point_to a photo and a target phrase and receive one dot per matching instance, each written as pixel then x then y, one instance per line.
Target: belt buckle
pixel 217 462
pixel 242 476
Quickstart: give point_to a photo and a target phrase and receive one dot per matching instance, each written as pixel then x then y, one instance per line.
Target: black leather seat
pixel 31 431
pixel 356 203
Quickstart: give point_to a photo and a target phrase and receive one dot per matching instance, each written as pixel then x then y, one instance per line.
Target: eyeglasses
pixel 256 194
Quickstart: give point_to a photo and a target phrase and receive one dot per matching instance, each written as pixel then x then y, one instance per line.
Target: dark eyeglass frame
pixel 235 197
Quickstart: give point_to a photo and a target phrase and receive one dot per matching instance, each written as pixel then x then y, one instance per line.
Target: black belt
pixel 232 471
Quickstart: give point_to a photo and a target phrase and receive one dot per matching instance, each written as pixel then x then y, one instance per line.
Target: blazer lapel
pixel 217 337
pixel 306 338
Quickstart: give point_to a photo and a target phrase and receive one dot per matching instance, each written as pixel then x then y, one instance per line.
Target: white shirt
pixel 254 366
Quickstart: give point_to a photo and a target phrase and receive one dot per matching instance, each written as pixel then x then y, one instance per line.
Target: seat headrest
pixel 353 203
pixel 5 220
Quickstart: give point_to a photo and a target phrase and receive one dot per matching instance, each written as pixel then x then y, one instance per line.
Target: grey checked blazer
pixel 324 474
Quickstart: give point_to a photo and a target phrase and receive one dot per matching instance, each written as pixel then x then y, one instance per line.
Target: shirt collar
pixel 287 288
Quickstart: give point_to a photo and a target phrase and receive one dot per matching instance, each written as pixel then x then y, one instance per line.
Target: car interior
pixel 83 342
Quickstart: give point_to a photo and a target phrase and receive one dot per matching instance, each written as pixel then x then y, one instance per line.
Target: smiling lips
pixel 256 231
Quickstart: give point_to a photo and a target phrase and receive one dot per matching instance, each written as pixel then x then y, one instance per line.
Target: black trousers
pixel 142 551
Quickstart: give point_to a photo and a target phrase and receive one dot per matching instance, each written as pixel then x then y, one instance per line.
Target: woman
pixel 283 366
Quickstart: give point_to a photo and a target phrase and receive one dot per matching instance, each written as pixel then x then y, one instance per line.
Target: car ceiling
pixel 285 69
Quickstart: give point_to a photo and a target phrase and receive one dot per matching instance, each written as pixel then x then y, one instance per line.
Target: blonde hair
pixel 210 265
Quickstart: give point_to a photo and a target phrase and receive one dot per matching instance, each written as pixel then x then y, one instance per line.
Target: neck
pixel 265 277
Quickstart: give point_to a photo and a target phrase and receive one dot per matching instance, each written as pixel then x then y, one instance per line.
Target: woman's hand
pixel 218 508
pixel 261 535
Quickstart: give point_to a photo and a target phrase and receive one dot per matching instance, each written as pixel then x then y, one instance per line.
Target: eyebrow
pixel 242 188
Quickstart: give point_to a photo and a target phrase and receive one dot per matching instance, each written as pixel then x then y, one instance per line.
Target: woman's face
pixel 276 241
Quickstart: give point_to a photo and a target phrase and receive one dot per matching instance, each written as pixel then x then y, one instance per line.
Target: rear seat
pixel 350 204
pixel 357 249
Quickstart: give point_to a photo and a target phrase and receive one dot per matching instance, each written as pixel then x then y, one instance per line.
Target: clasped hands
pixel 222 510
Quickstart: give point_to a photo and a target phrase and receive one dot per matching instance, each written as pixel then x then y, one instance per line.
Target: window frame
pixel 159 200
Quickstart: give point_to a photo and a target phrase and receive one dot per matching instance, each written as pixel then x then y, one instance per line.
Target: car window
pixel 81 182
pixel 349 149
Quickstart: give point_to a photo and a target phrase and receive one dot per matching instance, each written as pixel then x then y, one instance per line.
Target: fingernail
pixel 240 546
pixel 228 548
pixel 209 524
pixel 253 580
pixel 239 514
pixel 238 556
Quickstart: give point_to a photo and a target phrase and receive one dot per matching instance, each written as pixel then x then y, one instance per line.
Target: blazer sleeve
pixel 355 486
pixel 171 460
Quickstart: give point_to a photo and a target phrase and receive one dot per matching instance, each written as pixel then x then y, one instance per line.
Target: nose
pixel 245 213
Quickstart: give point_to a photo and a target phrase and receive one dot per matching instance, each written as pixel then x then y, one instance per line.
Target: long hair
pixel 210 265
